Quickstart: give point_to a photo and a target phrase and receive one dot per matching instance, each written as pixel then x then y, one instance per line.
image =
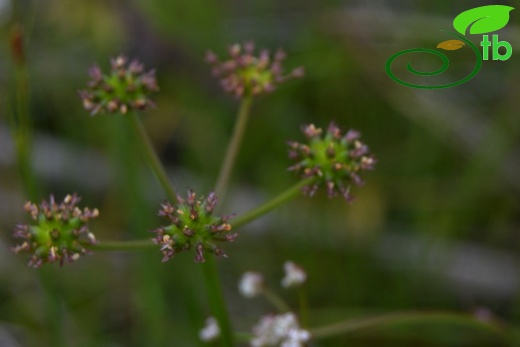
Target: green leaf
pixel 482 20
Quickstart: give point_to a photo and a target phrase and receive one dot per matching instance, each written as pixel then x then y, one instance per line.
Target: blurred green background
pixel 436 227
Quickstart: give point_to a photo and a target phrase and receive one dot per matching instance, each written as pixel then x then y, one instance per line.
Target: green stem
pixel 277 301
pixel 243 336
pixel 216 301
pixel 282 198
pixel 20 119
pixel 233 147
pixel 304 306
pixel 151 157
pixel 122 245
pixel 216 298
pixel 355 325
pixel 248 217
pixel 53 302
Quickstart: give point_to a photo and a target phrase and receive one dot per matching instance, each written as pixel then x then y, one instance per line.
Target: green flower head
pixel 192 226
pixel 127 87
pixel 58 232
pixel 335 160
pixel 245 74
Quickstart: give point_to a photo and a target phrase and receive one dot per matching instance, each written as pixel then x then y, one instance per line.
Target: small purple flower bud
pixel 199 251
pixel 249 47
pixel 311 131
pixel 352 135
pixel 211 58
pixel 136 67
pixel 95 73
pixel 299 72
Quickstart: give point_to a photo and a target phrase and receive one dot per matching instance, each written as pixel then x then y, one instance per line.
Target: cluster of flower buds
pixel 191 225
pixel 279 330
pixel 335 160
pixel 246 75
pixel 127 87
pixel 59 232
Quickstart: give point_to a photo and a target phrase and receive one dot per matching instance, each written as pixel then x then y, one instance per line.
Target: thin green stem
pixel 53 302
pixel 276 300
pixel 287 195
pixel 243 336
pixel 216 301
pixel 233 147
pixel 20 115
pixel 282 198
pixel 354 325
pixel 151 156
pixel 216 298
pixel 133 245
pixel 304 306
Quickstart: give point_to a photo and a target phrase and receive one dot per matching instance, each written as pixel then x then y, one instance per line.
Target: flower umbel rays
pixel 191 225
pixel 58 233
pixel 280 330
pixel 127 87
pixel 244 74
pixel 335 160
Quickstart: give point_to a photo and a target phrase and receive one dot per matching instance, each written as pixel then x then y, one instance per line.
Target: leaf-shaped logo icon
pixel 451 45
pixel 482 20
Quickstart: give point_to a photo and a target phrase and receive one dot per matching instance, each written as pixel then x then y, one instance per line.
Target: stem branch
pixel 122 245
pixel 282 198
pixel 277 301
pixel 233 147
pixel 151 157
pixel 216 301
pixel 354 325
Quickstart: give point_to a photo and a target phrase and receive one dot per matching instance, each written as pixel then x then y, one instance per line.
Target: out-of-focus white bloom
pixel 280 331
pixel 294 275
pixel 251 284
pixel 211 331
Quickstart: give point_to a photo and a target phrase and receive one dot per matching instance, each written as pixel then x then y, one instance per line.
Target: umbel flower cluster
pixel 127 87
pixel 279 330
pixel 58 233
pixel 333 159
pixel 192 225
pixel 245 74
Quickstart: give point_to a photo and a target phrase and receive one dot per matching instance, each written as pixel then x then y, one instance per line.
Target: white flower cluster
pixel 294 275
pixel 251 284
pixel 280 331
pixel 211 331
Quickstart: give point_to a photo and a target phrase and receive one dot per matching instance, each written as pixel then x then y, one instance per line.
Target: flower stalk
pixel 354 325
pixel 279 200
pixel 20 118
pixel 276 300
pixel 131 245
pixel 233 147
pixel 217 302
pixel 151 156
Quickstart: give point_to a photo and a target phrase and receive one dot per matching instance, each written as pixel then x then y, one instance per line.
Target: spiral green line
pixel 444 67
